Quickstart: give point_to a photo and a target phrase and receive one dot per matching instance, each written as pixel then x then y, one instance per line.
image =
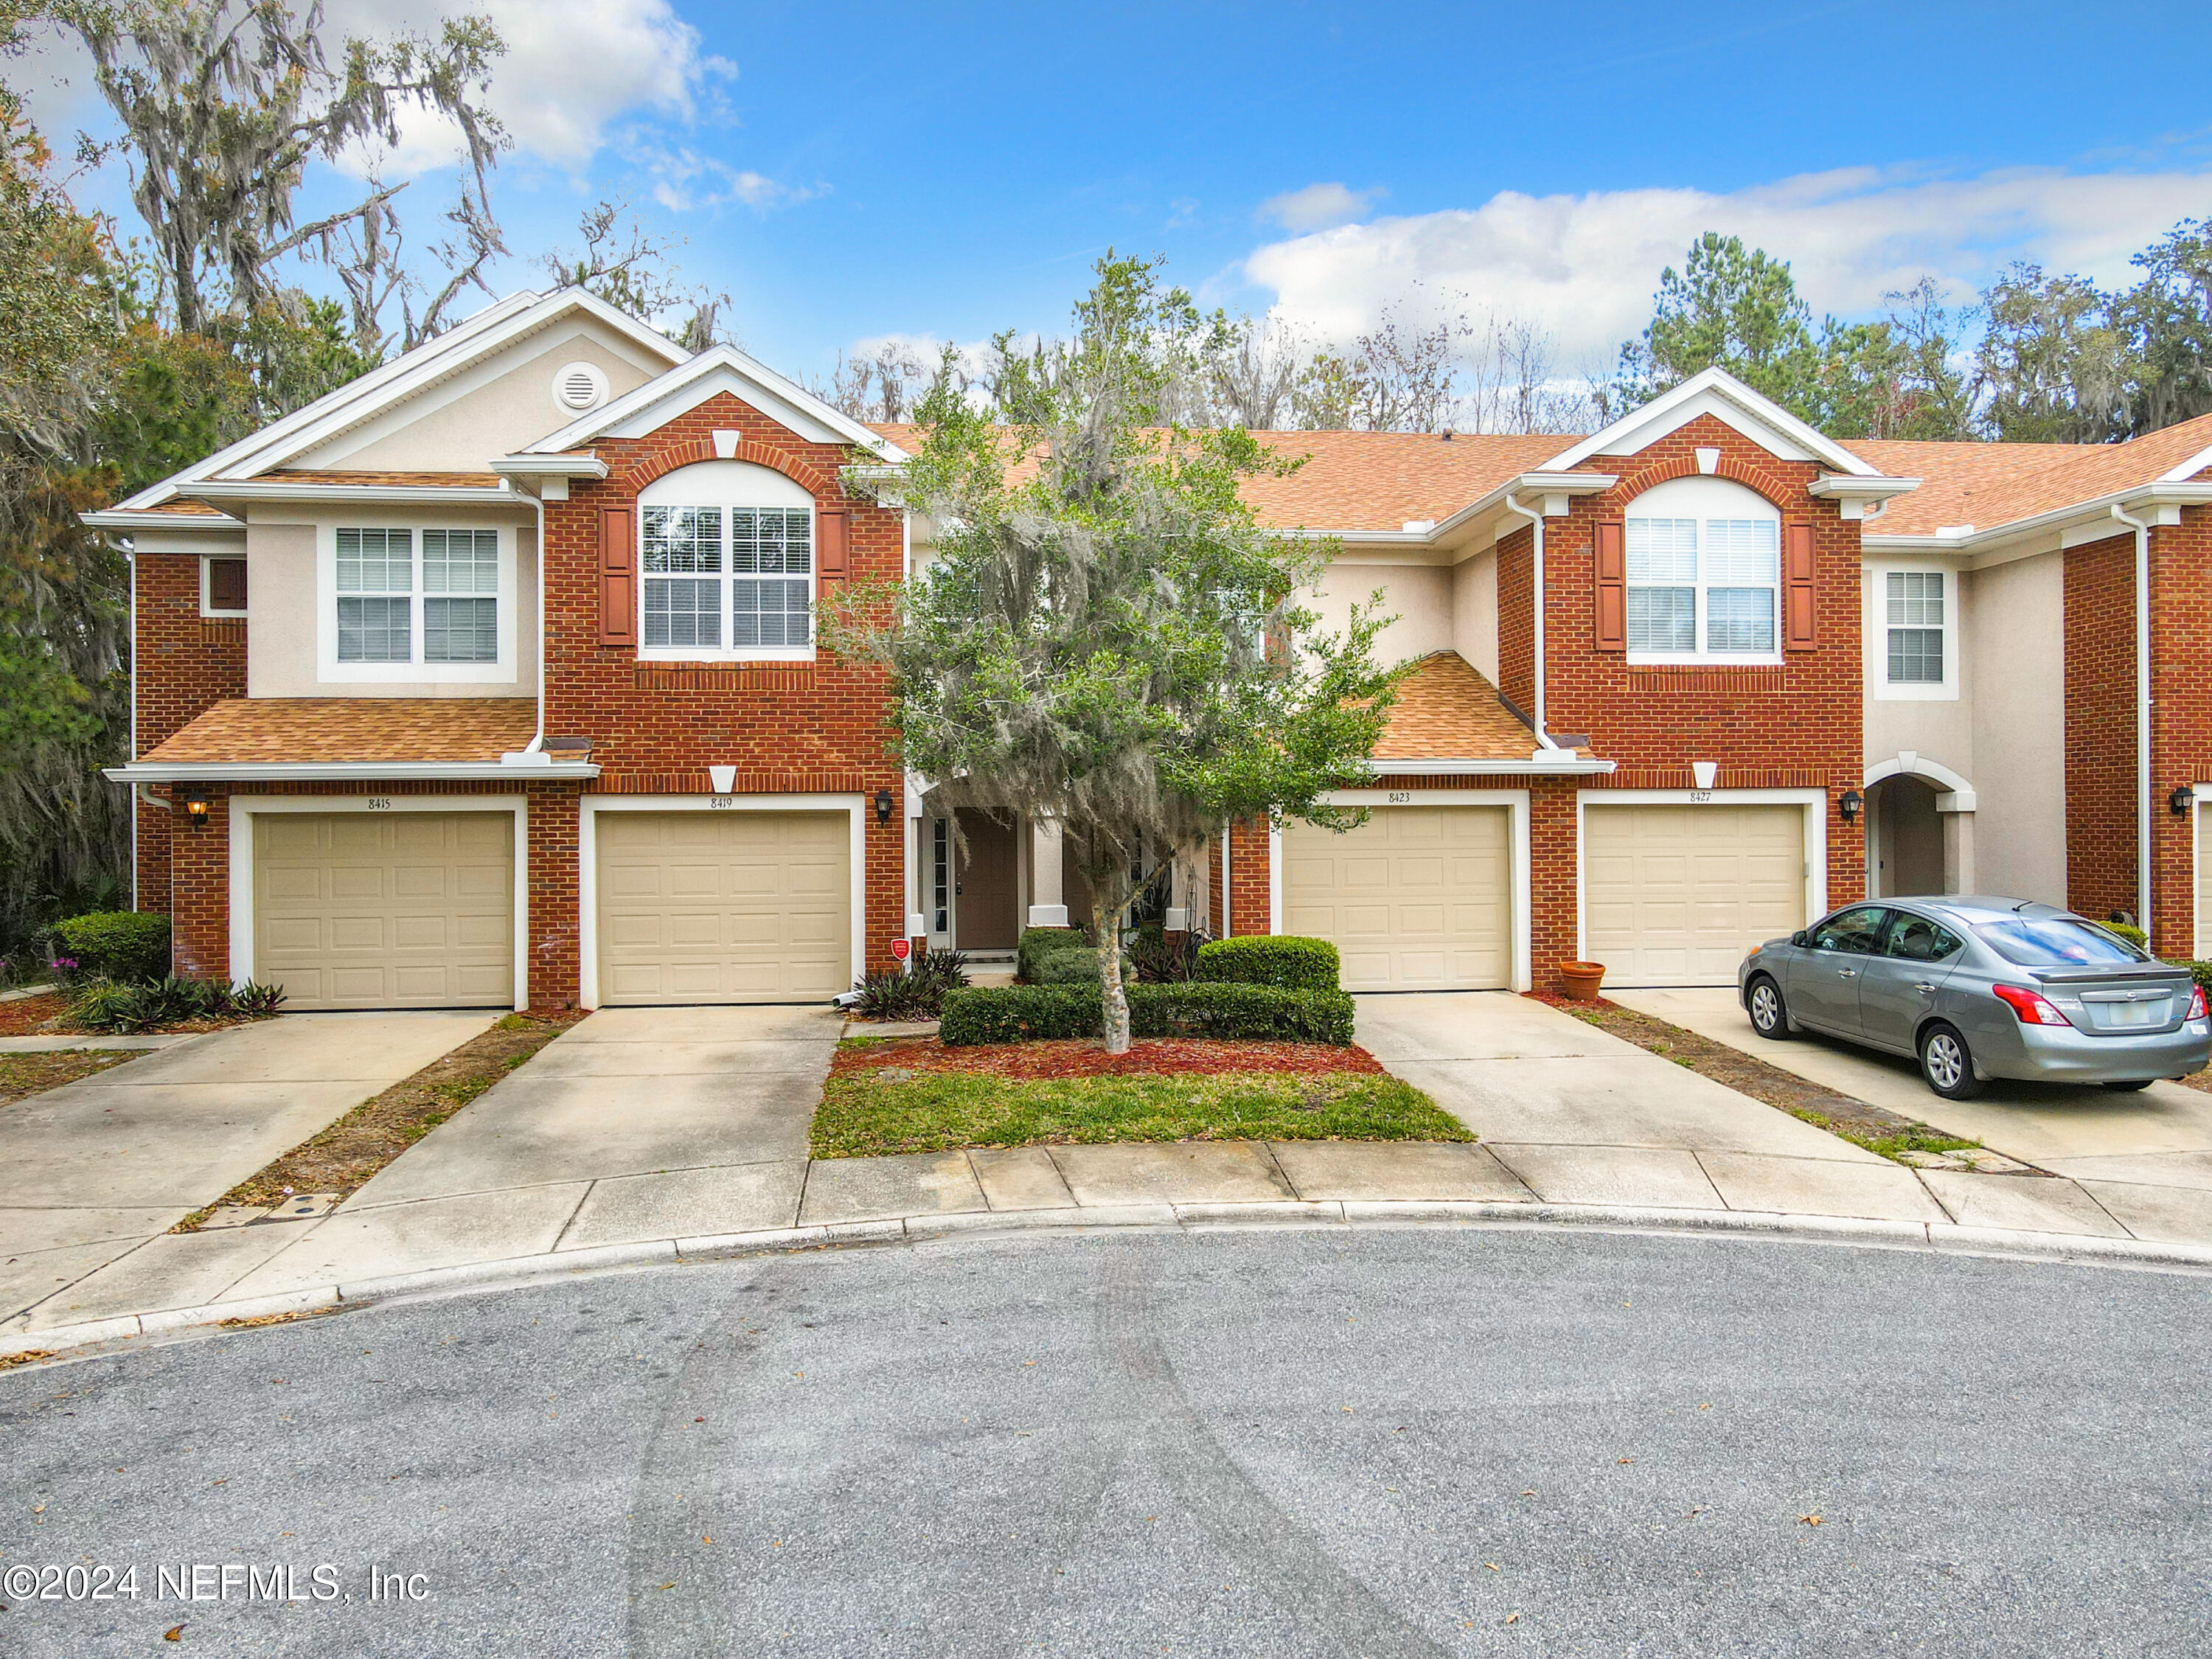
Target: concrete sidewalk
pixel 2144 1159
pixel 91 1171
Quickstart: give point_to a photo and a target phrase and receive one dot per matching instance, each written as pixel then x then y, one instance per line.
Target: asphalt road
pixel 1327 1444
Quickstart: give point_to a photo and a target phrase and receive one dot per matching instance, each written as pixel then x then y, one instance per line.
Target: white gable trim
pixel 2189 469
pixel 724 368
pixel 275 450
pixel 453 340
pixel 1717 392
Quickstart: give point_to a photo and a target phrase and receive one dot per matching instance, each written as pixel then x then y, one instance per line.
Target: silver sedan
pixel 1975 988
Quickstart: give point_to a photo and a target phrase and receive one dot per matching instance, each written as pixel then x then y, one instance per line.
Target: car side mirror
pixel 1797 938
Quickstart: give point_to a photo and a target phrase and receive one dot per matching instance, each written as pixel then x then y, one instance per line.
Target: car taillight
pixel 2195 1003
pixel 2033 1007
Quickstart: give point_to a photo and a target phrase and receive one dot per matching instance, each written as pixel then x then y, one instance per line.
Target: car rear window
pixel 2055 942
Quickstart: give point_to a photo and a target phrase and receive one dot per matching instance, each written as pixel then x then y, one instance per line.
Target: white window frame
pixel 728 488
pixel 208 607
pixel 500 670
pixel 1877 633
pixel 1705 501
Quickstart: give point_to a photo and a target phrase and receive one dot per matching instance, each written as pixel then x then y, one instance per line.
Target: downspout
pixel 537 502
pixel 2143 717
pixel 131 559
pixel 1536 530
pixel 1226 931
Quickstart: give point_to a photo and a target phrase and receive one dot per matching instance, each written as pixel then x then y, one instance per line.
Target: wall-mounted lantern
pixel 883 806
pixel 2181 800
pixel 1849 803
pixel 196 810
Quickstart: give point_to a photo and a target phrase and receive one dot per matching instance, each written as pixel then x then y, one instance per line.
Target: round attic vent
pixel 580 386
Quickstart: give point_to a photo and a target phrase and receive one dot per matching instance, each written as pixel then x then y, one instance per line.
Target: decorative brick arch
pixel 1771 487
pixel 691 452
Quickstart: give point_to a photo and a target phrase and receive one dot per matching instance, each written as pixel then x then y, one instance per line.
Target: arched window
pixel 725 565
pixel 1705 574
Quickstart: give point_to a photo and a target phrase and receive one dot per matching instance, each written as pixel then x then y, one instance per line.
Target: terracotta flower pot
pixel 1582 979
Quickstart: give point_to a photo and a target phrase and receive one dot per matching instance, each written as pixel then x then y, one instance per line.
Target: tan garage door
pixel 1418 898
pixel 1674 895
pixel 386 910
pixel 724 907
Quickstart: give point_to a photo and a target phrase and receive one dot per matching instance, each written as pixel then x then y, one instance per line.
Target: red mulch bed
pixel 1087 1057
pixel 26 1015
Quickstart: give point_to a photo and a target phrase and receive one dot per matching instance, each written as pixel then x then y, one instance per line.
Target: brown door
pixel 986 906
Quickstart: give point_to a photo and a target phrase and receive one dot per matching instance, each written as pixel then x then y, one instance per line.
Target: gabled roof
pixel 1716 391
pixel 694 381
pixel 1988 485
pixel 408 375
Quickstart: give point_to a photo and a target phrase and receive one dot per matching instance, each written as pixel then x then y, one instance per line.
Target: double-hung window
pixel 376 596
pixel 1702 584
pixel 1916 626
pixel 723 580
pixel 417 597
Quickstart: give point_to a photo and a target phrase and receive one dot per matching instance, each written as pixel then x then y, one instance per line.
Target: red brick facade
pixel 185 663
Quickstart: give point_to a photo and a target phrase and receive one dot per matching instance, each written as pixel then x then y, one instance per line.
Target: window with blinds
pixel 1703 587
pixel 384 574
pixel 744 575
pixel 1916 626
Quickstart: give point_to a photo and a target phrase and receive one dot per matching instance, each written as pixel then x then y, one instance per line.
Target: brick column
pixel 1552 880
pixel 1249 906
pixel 199 891
pixel 554 934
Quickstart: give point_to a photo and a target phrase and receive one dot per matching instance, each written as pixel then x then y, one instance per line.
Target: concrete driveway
pixel 2146 1157
pixel 1581 1117
pixel 637 1122
pixel 91 1170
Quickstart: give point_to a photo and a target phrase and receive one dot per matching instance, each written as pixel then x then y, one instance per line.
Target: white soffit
pixel 1718 393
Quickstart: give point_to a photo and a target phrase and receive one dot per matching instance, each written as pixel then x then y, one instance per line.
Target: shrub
pixel 1159 960
pixel 117 945
pixel 1038 943
pixel 1079 966
pixel 1019 1014
pixel 1285 961
pixel 916 992
pixel 107 1005
pixel 1249 1013
pixel 256 1000
pixel 1029 1013
pixel 2134 935
pixel 945 970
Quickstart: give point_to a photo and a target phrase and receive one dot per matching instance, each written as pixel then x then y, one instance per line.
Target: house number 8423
pixel 1401 797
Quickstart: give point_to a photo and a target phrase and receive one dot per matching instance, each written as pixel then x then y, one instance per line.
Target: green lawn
pixel 870 1112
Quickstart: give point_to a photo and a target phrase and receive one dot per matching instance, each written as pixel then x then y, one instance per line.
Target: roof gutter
pixel 1551 761
pixel 342 771
pixel 2142 715
pixel 498 494
pixel 2096 507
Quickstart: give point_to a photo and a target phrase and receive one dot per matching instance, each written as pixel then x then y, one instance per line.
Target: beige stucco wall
pixel 1940 729
pixel 1419 597
pixel 496 408
pixel 1475 611
pixel 284 615
pixel 2015 687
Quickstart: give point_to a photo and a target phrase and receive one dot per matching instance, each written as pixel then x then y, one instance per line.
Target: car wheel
pixel 1946 1064
pixel 1769 1018
pixel 2130 1086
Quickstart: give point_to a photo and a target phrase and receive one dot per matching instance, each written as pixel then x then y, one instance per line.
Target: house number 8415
pixel 380 803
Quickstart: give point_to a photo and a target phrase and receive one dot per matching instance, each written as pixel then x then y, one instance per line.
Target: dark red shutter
pixel 226 584
pixel 1611 585
pixel 831 558
pixel 617 578
pixel 1799 622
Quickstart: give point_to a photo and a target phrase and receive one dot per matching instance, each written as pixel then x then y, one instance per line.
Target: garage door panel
pixel 723 907
pixel 384 910
pixel 1415 899
pixel 1673 894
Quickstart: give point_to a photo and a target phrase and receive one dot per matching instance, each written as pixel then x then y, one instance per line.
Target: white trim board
pixel 1520 878
pixel 243 809
pixel 1813 801
pixel 587 862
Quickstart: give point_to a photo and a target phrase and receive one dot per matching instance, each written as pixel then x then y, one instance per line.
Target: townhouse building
pixel 492 678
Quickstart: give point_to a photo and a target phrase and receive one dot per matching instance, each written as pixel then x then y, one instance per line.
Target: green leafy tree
pixel 2053 365
pixel 1106 636
pixel 2168 320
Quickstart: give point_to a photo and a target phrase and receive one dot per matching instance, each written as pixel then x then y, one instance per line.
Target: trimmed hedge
pixel 126 946
pixel 1039 943
pixel 2134 935
pixel 1284 960
pixel 1252 1013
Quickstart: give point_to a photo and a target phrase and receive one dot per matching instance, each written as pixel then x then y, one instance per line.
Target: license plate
pixel 2137 1013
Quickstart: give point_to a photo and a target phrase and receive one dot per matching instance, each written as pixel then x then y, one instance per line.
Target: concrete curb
pixel 1485 1214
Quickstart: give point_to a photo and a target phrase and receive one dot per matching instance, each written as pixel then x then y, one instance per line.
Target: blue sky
pixel 856 171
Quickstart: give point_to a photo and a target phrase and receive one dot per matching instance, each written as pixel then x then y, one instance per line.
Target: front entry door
pixel 987 919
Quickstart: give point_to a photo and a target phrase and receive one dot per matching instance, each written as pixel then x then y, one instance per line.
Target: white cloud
pixel 1585 267
pixel 1317 206
pixel 570 69
pixel 683 180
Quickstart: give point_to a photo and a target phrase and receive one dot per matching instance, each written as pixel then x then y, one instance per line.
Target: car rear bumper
pixel 2061 1054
